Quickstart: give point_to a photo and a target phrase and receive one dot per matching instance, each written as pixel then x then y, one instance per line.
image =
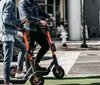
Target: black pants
pixel 40 37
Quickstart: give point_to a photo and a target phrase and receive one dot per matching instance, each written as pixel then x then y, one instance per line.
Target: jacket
pixel 30 9
pixel 8 21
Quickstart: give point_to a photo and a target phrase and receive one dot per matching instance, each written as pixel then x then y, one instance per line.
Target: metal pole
pixel 84 45
pixel 16 8
pixel 54 6
pixel 46 6
pixel 74 19
pixel 64 12
pixel 54 14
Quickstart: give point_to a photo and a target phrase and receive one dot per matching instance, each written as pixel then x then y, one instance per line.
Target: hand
pixel 44 23
pixel 19 34
pixel 24 21
pixel 53 18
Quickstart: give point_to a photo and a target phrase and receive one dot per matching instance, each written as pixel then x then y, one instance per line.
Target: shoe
pixel 19 75
pixel 39 68
pixel 8 84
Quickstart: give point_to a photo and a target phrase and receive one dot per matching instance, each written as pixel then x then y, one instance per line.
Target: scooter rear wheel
pixel 36 79
pixel 58 72
pixel 13 70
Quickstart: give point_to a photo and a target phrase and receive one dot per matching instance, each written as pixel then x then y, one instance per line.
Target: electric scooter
pixel 35 78
pixel 57 70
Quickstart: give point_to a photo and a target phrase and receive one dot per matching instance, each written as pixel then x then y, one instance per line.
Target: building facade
pixel 70 13
pixel 92 13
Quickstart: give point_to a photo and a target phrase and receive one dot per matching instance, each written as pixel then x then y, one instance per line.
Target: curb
pixel 77 48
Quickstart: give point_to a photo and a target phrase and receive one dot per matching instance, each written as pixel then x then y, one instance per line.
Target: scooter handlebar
pixel 21 29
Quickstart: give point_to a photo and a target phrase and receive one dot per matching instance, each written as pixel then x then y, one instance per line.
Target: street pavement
pixel 75 60
pixel 87 64
pixel 65 59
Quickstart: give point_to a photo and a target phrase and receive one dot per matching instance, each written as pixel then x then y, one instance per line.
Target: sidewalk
pixel 76 45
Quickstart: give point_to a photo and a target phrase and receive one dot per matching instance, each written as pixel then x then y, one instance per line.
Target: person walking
pixel 8 30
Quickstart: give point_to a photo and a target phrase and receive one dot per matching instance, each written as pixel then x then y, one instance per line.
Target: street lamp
pixel 84 45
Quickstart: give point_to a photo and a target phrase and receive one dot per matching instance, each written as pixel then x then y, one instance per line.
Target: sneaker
pixel 9 84
pixel 19 75
pixel 39 68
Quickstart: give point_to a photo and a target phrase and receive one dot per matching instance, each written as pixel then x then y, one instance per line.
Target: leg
pixel 8 51
pixel 27 63
pixel 41 39
pixel 22 50
pixel 31 46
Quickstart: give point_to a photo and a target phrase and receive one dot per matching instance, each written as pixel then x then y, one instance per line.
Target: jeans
pixel 8 53
pixel 40 37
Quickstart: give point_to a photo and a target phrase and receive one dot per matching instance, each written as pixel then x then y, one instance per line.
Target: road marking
pixel 68 60
pixel 1 76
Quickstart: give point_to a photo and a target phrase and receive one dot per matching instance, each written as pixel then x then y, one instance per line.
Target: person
pixel 29 10
pixel 8 29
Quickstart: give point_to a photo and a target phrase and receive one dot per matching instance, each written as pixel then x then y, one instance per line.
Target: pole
pixel 54 14
pixel 45 6
pixel 84 45
pixel 74 19
pixel 64 13
pixel 54 5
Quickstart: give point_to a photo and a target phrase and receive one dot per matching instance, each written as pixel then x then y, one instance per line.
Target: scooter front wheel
pixel 13 70
pixel 58 72
pixel 36 79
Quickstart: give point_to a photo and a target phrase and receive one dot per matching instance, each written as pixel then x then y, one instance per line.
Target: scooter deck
pixel 14 81
pixel 43 72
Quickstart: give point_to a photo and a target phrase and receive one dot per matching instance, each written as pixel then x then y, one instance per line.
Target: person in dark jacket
pixel 8 30
pixel 29 10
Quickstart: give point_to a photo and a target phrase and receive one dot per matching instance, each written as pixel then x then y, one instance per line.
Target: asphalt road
pixel 75 63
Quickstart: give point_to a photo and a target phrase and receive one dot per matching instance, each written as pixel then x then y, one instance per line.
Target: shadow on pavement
pixel 81 84
pixel 71 79
pixel 95 84
pixel 68 84
pixel 68 78
pixel 47 58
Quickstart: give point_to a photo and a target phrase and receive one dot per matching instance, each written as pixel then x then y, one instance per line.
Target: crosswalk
pixel 65 59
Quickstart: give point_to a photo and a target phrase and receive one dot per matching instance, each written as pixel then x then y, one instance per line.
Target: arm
pixel 8 17
pixel 43 14
pixel 24 14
